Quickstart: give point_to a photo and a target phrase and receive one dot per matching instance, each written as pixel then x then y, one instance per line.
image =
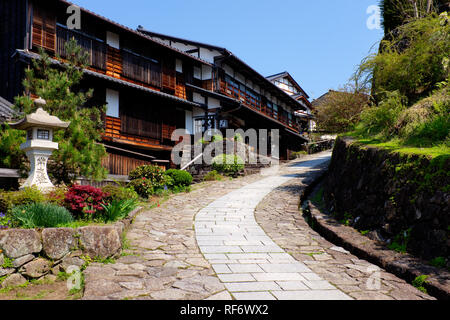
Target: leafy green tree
pixel 413 62
pixel 340 110
pixel 79 152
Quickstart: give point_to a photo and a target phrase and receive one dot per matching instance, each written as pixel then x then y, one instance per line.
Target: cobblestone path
pixel 207 245
pixel 279 216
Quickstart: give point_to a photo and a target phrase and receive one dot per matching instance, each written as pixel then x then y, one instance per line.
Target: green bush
pixel 147 180
pixel 143 187
pixel 11 199
pixel 119 193
pixel 419 282
pixel 180 177
pixel 295 155
pixel 149 172
pixel 57 196
pixel 213 176
pixel 414 60
pixel 381 119
pixel 439 262
pixel 228 164
pixel 40 215
pixel 118 209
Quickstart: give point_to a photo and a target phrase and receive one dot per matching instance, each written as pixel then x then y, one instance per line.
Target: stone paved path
pixel 250 264
pixel 279 216
pixel 207 245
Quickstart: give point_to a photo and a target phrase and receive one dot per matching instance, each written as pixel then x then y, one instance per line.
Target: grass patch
pixel 395 145
pixel 419 282
pixel 317 198
pixel 439 262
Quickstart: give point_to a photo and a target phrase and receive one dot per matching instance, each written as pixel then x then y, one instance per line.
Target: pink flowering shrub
pixel 85 201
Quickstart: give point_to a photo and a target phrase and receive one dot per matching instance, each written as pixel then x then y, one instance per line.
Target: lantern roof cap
pixel 40 118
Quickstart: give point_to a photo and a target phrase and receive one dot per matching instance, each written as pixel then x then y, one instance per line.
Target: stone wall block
pixel 16 243
pixel 101 242
pixel 58 242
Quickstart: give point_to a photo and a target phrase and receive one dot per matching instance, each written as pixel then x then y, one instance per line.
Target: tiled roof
pixel 6 111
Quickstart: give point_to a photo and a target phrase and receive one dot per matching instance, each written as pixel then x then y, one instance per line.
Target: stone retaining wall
pixel 395 196
pixel 32 253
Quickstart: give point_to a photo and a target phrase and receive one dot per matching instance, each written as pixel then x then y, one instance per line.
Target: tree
pixel 412 62
pixel 79 152
pixel 339 111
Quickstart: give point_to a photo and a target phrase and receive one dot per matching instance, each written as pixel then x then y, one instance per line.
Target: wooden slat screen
pixel 95 48
pixel 44 29
pixel 122 165
pixel 114 62
pixel 141 69
pixel 169 74
pixel 180 90
pixel 141 123
pixel 167 131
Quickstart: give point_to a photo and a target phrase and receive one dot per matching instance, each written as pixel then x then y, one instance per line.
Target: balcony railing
pixel 256 104
pixel 141 69
pixel 95 48
pixel 132 66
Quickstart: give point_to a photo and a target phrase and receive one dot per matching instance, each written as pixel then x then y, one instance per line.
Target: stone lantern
pixel 39 144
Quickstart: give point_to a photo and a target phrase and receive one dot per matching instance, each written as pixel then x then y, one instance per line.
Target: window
pixel 43 134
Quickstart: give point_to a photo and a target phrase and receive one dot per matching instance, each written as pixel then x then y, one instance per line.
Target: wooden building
pixel 152 84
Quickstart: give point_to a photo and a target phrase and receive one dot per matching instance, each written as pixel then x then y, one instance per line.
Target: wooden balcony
pixel 130 131
pixel 121 64
pixel 257 105
pixel 95 48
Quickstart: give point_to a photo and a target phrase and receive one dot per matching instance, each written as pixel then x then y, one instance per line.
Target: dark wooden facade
pixel 14 23
pixel 153 94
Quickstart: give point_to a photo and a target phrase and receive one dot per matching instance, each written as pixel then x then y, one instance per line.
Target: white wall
pixel 198 112
pixel 189 123
pixel 112 101
pixel 179 65
pixel 113 39
pixel 213 103
pixel 228 70
pixel 183 47
pixel 197 73
pixel 208 55
pixel 240 77
pixel 206 72
pixel 198 98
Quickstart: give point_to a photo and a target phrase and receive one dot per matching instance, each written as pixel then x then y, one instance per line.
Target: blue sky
pixel 320 42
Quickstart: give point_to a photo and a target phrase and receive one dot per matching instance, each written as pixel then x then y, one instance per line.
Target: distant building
pixel 286 82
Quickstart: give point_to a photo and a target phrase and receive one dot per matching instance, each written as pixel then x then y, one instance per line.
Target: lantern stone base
pixel 38 174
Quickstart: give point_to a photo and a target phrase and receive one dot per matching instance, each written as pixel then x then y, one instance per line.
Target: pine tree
pixel 79 152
